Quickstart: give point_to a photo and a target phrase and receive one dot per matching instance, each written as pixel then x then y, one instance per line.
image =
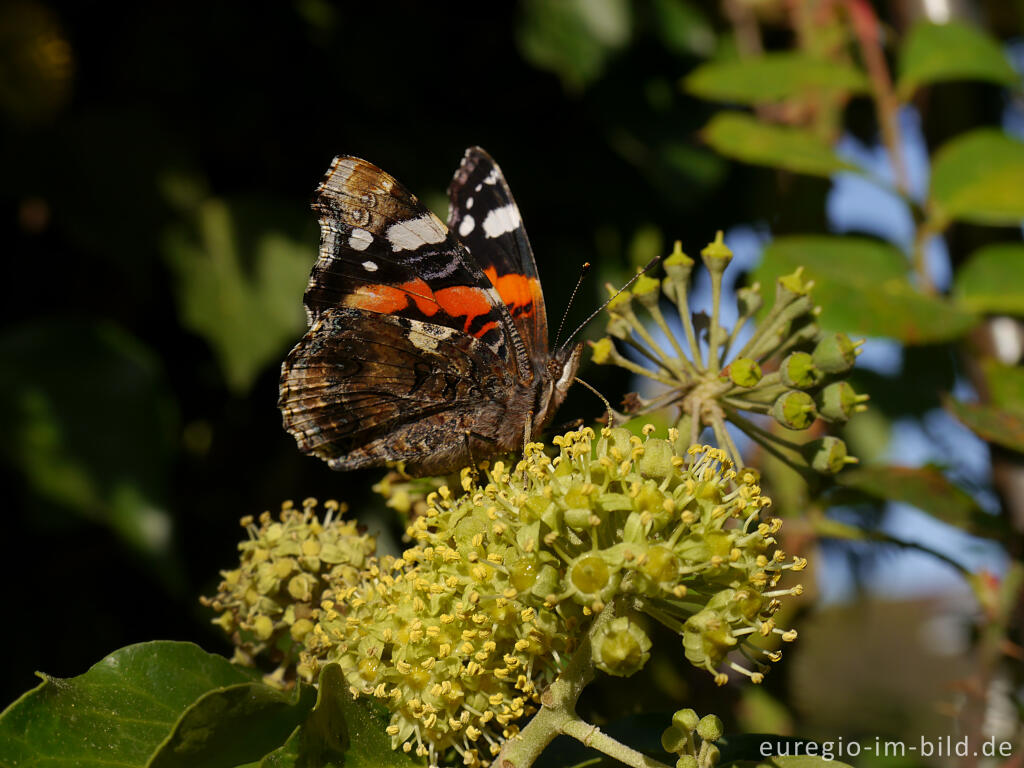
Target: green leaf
pixel 89 422
pixel 927 489
pixel 159 703
pixel 992 424
pixel 863 289
pixel 992 280
pixel 979 178
pixel 1005 385
pixel 742 137
pixel 573 38
pixel 683 28
pixel 937 52
pixel 772 77
pixel 244 298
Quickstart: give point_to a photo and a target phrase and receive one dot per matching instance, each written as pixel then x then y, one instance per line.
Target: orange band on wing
pixel 515 290
pixel 464 301
pixel 387 299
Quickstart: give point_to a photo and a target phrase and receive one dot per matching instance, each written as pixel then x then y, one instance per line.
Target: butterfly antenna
pixel 612 298
pixel 583 273
pixel 607 405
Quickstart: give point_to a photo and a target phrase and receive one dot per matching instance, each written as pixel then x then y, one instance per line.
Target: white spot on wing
pixel 466 226
pixel 492 177
pixel 359 240
pixel 369 266
pixel 410 234
pixel 501 220
pixel 469 203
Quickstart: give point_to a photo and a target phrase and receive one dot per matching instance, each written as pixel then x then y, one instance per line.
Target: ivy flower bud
pixel 794 410
pixel 828 455
pixel 685 720
pixel 716 255
pixel 798 371
pixel 838 401
pixel 622 647
pixel 744 372
pixel 677 264
pixel 835 353
pixel 710 728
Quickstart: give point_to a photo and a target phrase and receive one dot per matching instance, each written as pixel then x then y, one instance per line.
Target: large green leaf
pixel 863 289
pixel 742 137
pixel 89 422
pixel 340 731
pixel 979 177
pixel 1005 385
pixel 239 285
pixel 772 77
pixel 152 704
pixel 927 489
pixel 573 38
pixel 995 425
pixel 992 280
pixel 937 52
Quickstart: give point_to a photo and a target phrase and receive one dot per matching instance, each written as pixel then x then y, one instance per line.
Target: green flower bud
pixel 601 350
pixel 797 370
pixel 656 461
pixel 710 728
pixel 716 255
pixel 749 300
pixel 674 740
pixel 677 264
pixel 744 372
pixel 794 410
pixel 838 401
pixel 687 761
pixel 622 648
pixel 647 290
pixel 828 455
pixel 792 286
pixel 685 720
pixel 712 754
pixel 835 353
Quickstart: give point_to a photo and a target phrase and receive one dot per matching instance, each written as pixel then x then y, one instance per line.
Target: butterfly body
pixel 424 346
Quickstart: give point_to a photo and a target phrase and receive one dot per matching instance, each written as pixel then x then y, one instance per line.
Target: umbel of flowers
pixel 459 635
pixel 788 368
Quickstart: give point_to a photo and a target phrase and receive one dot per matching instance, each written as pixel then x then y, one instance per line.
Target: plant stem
pixel 557 714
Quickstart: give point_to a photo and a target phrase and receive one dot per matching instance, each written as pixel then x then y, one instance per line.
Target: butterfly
pixel 427 342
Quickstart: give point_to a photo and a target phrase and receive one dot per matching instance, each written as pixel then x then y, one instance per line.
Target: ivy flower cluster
pixel 267 604
pixel 788 369
pixel 459 635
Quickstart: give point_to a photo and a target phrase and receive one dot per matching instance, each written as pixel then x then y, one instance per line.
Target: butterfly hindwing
pixel 486 219
pixel 362 388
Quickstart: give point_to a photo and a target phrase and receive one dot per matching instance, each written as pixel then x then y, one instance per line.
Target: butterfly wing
pixel 362 388
pixel 484 215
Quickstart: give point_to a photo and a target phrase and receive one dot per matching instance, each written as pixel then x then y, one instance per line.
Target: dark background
pixel 121 121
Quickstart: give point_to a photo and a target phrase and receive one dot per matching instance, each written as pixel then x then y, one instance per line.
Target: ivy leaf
pixel 927 489
pixel 772 77
pixel 863 289
pixel 990 423
pixel 979 178
pixel 992 280
pixel 742 137
pixel 1005 385
pixel 244 298
pixel 937 52
pixel 152 704
pixel 83 393
pixel 573 38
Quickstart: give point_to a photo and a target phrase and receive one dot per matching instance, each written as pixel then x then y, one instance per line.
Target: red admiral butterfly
pixel 427 343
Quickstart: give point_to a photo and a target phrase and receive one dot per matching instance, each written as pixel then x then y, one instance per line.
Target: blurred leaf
pixel 573 38
pixel 936 52
pixel 992 280
pixel 979 177
pixel 152 704
pixel 745 750
pixel 683 28
pixel 863 289
pixel 772 77
pixel 742 137
pixel 36 63
pixel 1005 385
pixel 927 489
pixel 993 424
pixel 247 306
pixel 90 424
